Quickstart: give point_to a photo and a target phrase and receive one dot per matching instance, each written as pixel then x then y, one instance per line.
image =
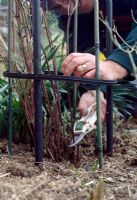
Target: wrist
pixel 117 71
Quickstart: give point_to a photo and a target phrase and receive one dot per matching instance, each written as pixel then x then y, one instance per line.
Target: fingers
pixel 76 60
pixel 71 62
pixel 87 99
pixel 90 74
pixel 82 70
pixel 83 108
pixel 103 110
pixel 85 102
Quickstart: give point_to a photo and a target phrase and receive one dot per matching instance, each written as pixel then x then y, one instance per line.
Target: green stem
pixel 10 80
pixel 97 43
pixel 75 50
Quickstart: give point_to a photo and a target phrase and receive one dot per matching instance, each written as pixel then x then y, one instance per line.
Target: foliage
pixel 57 106
pixel 55 95
pixel 3 2
pixel 125 98
pixel 19 124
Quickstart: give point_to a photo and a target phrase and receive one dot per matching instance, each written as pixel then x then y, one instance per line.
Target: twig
pixel 90 183
pixel 128 50
pixel 35 188
pixel 3 175
pixel 129 191
pixel 132 14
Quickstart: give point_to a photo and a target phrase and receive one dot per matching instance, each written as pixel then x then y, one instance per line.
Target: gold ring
pixel 85 68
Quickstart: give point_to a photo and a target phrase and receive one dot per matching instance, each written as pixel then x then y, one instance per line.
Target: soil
pixel 21 179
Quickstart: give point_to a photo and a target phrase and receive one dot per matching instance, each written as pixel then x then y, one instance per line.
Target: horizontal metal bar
pixel 54 77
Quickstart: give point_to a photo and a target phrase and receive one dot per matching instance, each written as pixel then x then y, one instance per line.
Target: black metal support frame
pixel 38 76
pixel 37 83
pixel 50 76
pixel 109 119
pixel 109 48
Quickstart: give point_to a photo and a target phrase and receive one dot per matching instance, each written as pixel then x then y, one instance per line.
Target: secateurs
pixel 84 125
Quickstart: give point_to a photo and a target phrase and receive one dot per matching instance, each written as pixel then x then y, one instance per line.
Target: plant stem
pixel 75 50
pixel 97 44
pixel 10 80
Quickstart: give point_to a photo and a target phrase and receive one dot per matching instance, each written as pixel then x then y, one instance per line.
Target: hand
pixel 66 7
pixel 109 70
pixel 89 98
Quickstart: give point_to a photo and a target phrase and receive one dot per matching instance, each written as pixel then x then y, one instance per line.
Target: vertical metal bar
pixel 75 41
pixel 14 27
pixel 109 120
pixel 109 48
pixel 37 83
pixel 10 80
pixel 109 18
pixel 97 47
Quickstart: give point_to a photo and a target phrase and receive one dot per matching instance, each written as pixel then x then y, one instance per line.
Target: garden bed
pixel 21 179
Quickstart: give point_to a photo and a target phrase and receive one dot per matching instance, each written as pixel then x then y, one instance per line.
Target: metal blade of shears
pixel 87 125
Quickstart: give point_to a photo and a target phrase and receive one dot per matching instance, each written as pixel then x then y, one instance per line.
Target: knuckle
pixel 79 69
pixel 64 64
pixel 88 54
pixel 75 61
pixel 72 55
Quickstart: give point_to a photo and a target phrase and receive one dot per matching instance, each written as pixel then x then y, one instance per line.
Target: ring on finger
pixel 85 68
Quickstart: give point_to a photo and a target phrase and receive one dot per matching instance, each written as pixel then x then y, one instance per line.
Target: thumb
pixel 83 107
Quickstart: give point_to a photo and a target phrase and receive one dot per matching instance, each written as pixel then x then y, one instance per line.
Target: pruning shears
pixel 84 125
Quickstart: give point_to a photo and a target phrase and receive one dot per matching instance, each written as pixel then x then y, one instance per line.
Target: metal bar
pixel 37 83
pixel 75 44
pixel 109 120
pixel 75 39
pixel 109 48
pixel 109 18
pixel 97 45
pixel 10 80
pixel 59 78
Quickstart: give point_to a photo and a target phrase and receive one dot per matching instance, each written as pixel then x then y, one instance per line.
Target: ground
pixel 21 179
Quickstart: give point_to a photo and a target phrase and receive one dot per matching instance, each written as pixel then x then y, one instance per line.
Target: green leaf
pixel 79 125
pixel 3 89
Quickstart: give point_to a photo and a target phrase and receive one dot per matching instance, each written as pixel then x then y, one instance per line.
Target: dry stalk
pixel 4 175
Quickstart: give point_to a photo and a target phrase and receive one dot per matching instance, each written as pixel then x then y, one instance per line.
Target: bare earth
pixel 21 179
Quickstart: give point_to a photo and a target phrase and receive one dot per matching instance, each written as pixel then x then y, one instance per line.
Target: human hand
pixel 89 98
pixel 66 7
pixel 75 62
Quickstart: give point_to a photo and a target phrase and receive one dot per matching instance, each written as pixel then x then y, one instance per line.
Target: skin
pixel 109 70
pixel 85 6
pixel 88 99
pixel 65 6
